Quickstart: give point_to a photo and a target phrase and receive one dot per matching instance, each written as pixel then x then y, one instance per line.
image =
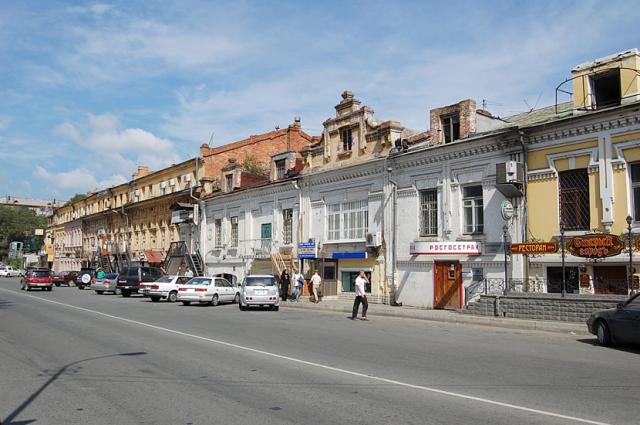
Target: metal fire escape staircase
pixel 120 260
pixel 178 256
pixel 282 261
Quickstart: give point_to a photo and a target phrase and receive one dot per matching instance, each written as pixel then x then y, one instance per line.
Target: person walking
pixel 285 281
pixel 315 285
pixel 298 283
pixel 361 296
pixel 189 273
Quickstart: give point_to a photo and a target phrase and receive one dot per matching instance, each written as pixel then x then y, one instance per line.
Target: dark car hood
pixel 605 313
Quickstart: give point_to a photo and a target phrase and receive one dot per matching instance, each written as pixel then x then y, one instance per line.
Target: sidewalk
pixel 345 307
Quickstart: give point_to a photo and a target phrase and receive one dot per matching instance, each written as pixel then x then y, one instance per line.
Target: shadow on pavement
pixel 627 348
pixel 9 419
pixel 5 304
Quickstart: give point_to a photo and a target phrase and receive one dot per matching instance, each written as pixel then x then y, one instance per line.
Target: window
pixel 429 212
pixel 347 220
pixel 281 169
pixel 473 209
pixel 346 139
pixel 451 128
pixel 287 226
pixel 349 281
pixel 234 232
pixel 228 179
pixel 605 89
pixel 217 233
pixel 574 199
pixel 635 187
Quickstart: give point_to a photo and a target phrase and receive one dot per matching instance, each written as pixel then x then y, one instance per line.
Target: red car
pixel 65 278
pixel 37 278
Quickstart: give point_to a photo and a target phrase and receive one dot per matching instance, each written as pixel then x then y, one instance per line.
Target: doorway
pixel 448 285
pixel 610 280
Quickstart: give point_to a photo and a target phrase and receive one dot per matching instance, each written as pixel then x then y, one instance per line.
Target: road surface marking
pixel 319 365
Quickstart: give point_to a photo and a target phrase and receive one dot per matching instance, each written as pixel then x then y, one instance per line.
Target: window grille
pixel 234 232
pixel 217 242
pixel 287 219
pixel 429 212
pixel 574 199
pixel 635 188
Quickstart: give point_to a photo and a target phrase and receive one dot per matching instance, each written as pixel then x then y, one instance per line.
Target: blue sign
pixel 349 255
pixel 307 250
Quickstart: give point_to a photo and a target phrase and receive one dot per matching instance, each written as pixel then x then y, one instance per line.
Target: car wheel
pixel 276 308
pixel 99 292
pixel 214 300
pixel 603 334
pixel 126 293
pixel 242 308
pixel 186 302
pixel 155 299
pixel 172 297
pixel 58 284
pixel 236 300
pixel 117 292
pixel 81 287
pixel 49 288
pixel 27 288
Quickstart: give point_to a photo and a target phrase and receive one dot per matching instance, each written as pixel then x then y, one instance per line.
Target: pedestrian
pixel 285 281
pixel 189 273
pixel 315 285
pixel 361 296
pixel 298 283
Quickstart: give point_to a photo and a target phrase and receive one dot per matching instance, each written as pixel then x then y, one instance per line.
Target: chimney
pixel 140 172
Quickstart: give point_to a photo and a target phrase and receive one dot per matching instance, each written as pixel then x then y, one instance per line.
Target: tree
pixel 17 223
pixel 76 197
pixel 252 165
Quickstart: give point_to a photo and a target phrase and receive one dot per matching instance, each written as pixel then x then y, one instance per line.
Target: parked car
pixel 165 288
pixel 64 278
pixel 37 278
pixel 85 277
pixel 109 283
pixel 9 271
pixel 617 325
pixel 130 278
pixel 259 290
pixel 208 290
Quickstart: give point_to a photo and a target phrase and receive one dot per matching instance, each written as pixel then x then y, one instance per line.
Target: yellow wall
pixel 629 81
pixel 543 208
pixel 537 160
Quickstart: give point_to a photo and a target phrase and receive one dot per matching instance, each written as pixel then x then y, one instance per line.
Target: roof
pixel 538 116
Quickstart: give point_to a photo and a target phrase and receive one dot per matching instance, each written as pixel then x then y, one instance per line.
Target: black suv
pixel 130 278
pixel 82 281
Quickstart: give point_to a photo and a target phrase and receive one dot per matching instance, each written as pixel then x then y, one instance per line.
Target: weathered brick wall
pixel 467 112
pixel 542 306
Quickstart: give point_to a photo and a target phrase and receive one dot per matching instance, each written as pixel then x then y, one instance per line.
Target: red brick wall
pixel 467 111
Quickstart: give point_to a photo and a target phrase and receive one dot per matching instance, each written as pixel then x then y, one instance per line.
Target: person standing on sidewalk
pixel 285 282
pixel 361 296
pixel 298 282
pixel 315 284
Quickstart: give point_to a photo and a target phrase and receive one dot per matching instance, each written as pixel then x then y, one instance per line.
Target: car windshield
pixel 40 273
pixel 201 281
pixel 111 276
pixel 164 279
pixel 260 281
pixel 129 271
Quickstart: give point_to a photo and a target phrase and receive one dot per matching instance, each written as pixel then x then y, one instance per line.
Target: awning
pixel 154 256
pixel 181 206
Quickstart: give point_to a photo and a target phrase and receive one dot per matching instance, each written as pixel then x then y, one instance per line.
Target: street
pixel 75 357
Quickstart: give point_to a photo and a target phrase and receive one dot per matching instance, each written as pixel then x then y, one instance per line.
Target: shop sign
pixel 595 246
pixel 435 248
pixel 349 255
pixel 533 248
pixel 307 250
pixel 506 209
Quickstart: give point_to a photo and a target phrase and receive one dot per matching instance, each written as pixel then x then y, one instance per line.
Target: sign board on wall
pixel 595 246
pixel 506 209
pixel 435 248
pixel 307 250
pixel 533 248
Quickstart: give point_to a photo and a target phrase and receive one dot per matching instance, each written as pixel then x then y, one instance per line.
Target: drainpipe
pixel 392 287
pixel 524 216
pixel 200 208
pixel 300 233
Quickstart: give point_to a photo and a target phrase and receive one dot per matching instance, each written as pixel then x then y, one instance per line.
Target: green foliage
pixel 76 197
pixel 18 224
pixel 253 166
pixel 16 263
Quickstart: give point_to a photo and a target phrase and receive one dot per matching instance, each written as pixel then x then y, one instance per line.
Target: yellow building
pixel 583 163
pixel 128 222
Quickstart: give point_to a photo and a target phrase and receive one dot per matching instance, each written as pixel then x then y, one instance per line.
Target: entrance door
pixel 448 285
pixel 265 235
pixel 610 280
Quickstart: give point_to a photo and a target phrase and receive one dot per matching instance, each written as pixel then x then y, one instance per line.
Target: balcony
pixel 256 248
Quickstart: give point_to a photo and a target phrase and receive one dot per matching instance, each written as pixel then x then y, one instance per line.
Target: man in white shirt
pixel 298 282
pixel 315 284
pixel 361 296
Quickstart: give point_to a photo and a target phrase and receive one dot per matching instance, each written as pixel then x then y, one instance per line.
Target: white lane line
pixel 321 366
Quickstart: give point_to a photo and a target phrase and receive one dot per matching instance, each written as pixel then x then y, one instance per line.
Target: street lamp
pixel 630 273
pixel 564 275
pixel 505 235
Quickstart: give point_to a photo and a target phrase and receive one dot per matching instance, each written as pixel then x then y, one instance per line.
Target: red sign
pixel 435 248
pixel 637 244
pixel 595 246
pixel 533 248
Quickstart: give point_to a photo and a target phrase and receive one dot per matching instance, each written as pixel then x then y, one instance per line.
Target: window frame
pixel 281 169
pixel 233 240
pixel 423 219
pixel 471 203
pixel 337 214
pixel 228 182
pixel 635 200
pixel 564 192
pixel 287 226
pixel 217 233
pixel 346 139
pixel 449 129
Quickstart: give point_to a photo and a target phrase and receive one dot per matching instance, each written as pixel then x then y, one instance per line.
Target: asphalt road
pixel 75 357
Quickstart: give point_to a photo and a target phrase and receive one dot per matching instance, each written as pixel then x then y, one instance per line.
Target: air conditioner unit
pixel 180 216
pixel 101 232
pixel 374 239
pixel 186 177
pixel 172 182
pixel 163 185
pixel 510 178
pixel 107 204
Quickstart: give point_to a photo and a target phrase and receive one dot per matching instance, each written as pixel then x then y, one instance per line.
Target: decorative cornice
pixel 376 196
pixel 407 193
pixel 584 129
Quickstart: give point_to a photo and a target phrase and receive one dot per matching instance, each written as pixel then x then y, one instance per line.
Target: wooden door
pixel 610 280
pixel 448 285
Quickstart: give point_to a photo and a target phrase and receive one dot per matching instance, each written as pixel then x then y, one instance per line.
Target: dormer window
pixel 451 128
pixel 346 139
pixel 228 181
pixel 605 89
pixel 281 169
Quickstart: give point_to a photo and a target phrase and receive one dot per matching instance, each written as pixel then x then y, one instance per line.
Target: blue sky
pixel 91 90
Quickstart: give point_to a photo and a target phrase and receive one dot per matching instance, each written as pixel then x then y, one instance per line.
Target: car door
pixel 627 322
pixel 223 290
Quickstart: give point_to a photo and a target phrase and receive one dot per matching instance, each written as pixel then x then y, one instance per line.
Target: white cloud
pixel 97 9
pixel 77 180
pixel 4 122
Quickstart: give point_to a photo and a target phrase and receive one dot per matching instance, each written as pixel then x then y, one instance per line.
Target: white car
pixel 165 288
pixel 259 290
pixel 208 290
pixel 8 271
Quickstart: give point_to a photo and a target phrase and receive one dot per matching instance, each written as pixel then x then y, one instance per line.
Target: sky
pixel 91 90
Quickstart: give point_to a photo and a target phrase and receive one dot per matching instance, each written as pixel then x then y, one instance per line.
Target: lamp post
pixel 630 273
pixel 505 235
pixel 564 275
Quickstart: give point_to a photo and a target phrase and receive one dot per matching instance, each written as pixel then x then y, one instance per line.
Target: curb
pixel 521 324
